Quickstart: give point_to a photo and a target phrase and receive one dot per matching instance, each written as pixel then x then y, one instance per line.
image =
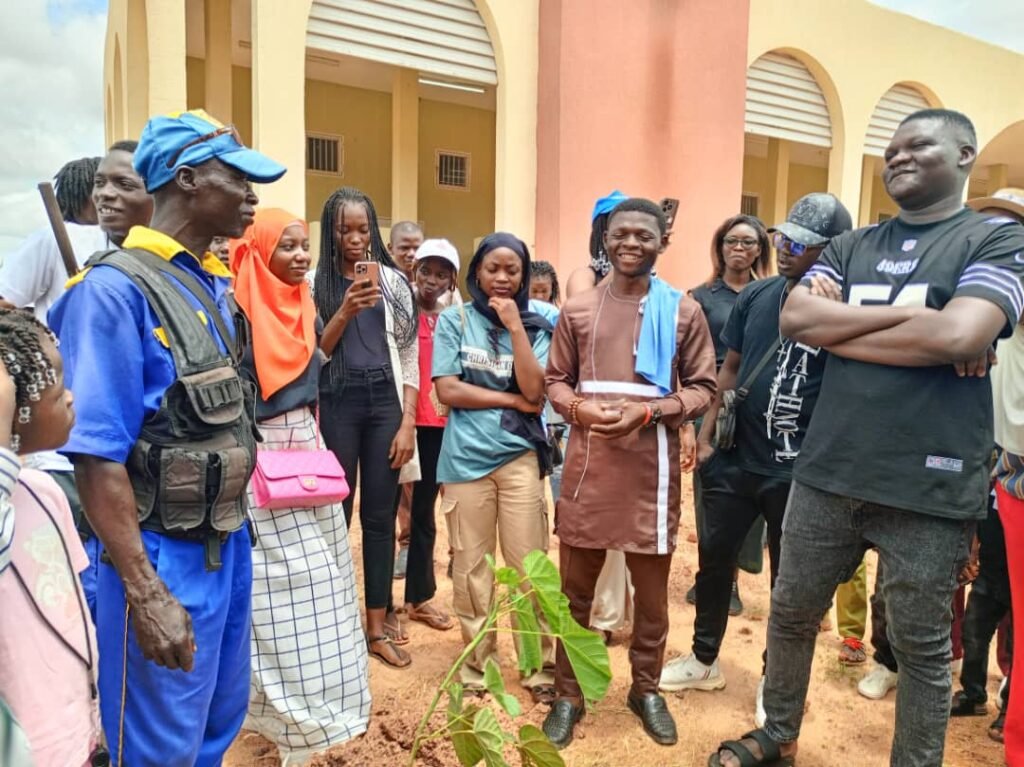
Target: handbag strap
pixel 744 390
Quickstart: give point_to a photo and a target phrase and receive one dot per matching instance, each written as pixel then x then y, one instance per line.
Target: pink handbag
pixel 286 479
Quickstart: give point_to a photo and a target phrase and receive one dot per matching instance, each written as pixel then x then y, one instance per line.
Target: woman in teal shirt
pixel 489 359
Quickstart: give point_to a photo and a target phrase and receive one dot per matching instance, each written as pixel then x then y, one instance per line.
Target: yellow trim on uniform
pixel 216 267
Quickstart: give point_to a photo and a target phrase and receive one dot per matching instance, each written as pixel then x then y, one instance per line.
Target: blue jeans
pixel 824 539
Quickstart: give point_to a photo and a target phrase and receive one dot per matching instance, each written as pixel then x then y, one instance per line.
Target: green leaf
pixel 586 650
pixel 460 728
pixel 496 686
pixel 489 738
pixel 588 656
pixel 536 750
pixel 507 576
pixel 528 645
pixel 490 562
pixel 547 585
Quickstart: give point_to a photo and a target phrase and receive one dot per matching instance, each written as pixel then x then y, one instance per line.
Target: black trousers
pixel 733 499
pixel 419 577
pixel 987 605
pixel 359 421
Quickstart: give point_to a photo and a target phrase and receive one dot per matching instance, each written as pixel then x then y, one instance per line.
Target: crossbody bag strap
pixel 743 391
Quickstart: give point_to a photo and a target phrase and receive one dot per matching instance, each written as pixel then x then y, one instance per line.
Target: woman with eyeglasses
pixel 740 253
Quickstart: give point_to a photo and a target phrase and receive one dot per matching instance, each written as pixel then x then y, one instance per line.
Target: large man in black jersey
pixel 896 455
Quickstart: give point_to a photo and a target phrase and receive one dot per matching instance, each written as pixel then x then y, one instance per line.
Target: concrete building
pixel 475 115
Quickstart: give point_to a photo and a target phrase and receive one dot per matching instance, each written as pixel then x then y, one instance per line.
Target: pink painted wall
pixel 646 97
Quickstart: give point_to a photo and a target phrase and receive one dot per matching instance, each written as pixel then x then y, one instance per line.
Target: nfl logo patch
pixel 908 245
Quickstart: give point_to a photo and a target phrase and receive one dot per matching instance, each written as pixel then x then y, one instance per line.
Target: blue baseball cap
pixel 191 138
pixel 607 203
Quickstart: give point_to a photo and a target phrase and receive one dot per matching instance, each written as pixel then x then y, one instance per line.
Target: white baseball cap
pixel 438 248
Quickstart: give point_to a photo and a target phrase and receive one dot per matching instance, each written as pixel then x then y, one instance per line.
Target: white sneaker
pixel 877 682
pixel 760 717
pixel 688 673
pixel 1001 695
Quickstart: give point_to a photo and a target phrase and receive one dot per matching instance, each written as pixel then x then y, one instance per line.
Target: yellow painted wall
pixel 363 117
pixel 241 94
pixel 459 216
pixel 803 179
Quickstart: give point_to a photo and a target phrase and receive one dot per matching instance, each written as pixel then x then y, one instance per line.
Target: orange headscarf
pixel 282 316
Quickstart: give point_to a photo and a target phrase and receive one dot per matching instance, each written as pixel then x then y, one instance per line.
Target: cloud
pixel 1000 22
pixel 51 64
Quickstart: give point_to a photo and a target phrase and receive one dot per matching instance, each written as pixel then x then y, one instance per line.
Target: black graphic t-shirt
pixel 772 421
pixel 915 438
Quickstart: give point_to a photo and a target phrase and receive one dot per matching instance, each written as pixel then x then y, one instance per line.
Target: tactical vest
pixel 191 464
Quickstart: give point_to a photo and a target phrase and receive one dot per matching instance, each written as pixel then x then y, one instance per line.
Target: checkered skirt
pixel 310 687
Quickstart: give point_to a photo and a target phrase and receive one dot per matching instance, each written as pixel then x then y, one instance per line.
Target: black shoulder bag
pixel 725 424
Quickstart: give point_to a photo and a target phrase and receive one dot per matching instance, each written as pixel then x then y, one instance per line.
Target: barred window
pixel 749 204
pixel 452 170
pixel 325 154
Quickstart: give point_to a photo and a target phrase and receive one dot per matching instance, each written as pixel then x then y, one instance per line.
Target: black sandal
pixel 772 754
pixel 964 706
pixel 995 730
pixel 371 641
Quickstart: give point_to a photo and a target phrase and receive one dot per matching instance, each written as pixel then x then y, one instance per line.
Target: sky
pixel 51 68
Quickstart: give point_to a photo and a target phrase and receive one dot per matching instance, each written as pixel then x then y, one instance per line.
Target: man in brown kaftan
pixel 620 482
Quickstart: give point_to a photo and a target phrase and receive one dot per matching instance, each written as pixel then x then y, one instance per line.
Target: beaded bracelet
pixel 573 407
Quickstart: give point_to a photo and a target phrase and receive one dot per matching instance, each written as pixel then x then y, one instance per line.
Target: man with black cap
pixel 898 453
pixel 777 380
pixel 163 448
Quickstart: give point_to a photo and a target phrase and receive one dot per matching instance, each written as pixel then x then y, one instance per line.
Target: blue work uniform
pixel 118 364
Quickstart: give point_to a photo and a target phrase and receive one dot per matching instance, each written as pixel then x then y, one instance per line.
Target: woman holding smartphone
pixel 368 392
pixel 489 359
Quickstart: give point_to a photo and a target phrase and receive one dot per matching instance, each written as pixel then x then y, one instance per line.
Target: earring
pixel 24 414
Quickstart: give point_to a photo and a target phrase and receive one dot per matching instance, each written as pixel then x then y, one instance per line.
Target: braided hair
pixel 73 187
pixel 545 269
pixel 328 291
pixel 22 353
pixel 599 262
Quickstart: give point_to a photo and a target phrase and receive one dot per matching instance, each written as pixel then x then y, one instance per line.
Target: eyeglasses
pixel 226 130
pixel 782 242
pixel 747 243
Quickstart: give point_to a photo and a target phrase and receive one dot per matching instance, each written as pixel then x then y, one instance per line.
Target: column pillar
pixel 217 101
pixel 167 89
pixel 405 129
pixel 871 165
pixel 279 97
pixel 778 168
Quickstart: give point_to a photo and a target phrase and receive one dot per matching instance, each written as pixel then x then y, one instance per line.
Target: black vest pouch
pixel 201 400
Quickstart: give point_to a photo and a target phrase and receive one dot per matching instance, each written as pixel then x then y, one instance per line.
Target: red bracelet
pixel 648 415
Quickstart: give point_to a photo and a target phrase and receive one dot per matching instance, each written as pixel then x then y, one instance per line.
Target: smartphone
pixel 671 206
pixel 368 270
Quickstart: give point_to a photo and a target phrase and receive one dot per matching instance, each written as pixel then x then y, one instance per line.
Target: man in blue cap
pixel 163 448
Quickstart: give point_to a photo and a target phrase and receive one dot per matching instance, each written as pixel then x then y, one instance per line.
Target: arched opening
pixel 900 101
pixel 788 136
pixel 401 102
pixel 1000 163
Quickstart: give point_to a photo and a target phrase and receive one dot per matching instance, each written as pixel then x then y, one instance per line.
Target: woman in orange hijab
pixel 303 696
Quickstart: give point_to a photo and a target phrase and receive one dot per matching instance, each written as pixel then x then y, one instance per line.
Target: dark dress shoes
pixel 658 722
pixel 558 724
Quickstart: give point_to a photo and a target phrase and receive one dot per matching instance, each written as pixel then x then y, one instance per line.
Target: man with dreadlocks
pixel 110 191
pixel 630 361
pixel 163 448
pixel 368 393
pixel 33 275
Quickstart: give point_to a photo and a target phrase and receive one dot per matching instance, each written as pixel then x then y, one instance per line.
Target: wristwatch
pixel 655 416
